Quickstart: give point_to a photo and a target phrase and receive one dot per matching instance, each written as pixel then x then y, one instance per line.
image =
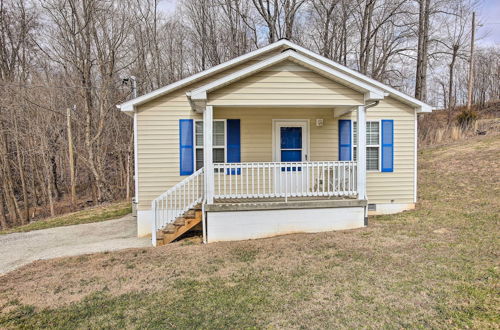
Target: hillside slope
pixel 436 267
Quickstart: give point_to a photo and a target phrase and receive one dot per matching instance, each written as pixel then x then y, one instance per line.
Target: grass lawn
pixel 94 214
pixel 433 267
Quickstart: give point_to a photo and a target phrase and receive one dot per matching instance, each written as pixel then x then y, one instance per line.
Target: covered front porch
pixel 274 156
pixel 297 191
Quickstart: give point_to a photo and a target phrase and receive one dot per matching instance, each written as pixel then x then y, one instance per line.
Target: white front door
pixel 291 138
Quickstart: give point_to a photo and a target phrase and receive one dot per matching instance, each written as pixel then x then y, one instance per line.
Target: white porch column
pixel 208 117
pixel 361 152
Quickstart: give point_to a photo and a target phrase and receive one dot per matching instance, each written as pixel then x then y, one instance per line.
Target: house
pixel 293 142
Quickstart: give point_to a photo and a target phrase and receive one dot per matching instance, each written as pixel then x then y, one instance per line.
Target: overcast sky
pixel 488 15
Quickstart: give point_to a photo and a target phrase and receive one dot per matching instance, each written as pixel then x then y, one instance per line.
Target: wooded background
pixel 57 55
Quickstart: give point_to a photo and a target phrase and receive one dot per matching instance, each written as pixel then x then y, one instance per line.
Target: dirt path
pixel 22 248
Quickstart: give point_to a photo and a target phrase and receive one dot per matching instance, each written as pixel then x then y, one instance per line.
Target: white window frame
pixel 196 147
pixel 355 143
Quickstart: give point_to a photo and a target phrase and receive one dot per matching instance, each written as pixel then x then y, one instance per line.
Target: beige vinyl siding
pixel 397 186
pixel 158 145
pixel 285 84
pixel 257 131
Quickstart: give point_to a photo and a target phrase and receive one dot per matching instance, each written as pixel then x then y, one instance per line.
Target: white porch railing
pixel 177 200
pixel 285 179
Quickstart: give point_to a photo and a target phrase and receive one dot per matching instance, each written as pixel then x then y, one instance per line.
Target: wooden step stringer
pixel 180 226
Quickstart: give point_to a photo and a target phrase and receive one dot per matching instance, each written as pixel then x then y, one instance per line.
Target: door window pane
pixel 291 137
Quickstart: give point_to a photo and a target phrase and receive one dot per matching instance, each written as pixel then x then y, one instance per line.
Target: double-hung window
pixel 372 144
pixel 218 142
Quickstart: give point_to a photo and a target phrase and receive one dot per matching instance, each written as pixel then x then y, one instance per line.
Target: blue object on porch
pixel 186 151
pixel 387 145
pixel 233 144
pixel 345 143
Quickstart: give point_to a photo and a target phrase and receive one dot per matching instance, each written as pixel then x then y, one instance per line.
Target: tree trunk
pixel 10 198
pixel 422 50
pixel 364 44
pixel 3 219
pixel 71 159
pixel 451 102
pixel 25 218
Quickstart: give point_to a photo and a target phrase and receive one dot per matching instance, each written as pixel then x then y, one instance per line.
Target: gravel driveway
pixel 18 249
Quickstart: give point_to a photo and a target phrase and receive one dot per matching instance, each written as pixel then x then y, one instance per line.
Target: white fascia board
pixel 373 92
pixel 421 106
pixel 340 112
pixel 129 105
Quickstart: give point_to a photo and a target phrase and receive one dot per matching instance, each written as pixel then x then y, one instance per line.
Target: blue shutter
pixel 186 151
pixel 387 145
pixel 233 142
pixel 345 143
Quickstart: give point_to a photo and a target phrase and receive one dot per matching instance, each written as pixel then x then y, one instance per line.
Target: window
pixel 218 140
pixel 372 144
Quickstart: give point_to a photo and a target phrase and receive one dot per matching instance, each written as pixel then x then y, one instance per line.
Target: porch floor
pixel 280 199
pixel 251 204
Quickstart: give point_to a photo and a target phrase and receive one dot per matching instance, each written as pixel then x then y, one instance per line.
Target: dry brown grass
pixel 442 127
pixel 87 215
pixel 436 266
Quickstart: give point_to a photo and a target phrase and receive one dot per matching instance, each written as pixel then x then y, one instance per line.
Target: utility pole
pixel 133 86
pixel 71 157
pixel 470 84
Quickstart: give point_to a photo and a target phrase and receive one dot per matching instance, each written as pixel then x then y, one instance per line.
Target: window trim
pixel 379 146
pixel 195 146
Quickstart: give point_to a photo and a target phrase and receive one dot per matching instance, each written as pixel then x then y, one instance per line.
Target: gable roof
pixel 374 90
pixel 370 92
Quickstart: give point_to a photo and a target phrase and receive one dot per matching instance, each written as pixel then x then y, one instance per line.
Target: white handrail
pixel 177 200
pixel 285 179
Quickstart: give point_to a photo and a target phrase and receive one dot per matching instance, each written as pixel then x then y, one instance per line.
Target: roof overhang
pixel 129 106
pixel 374 90
pixel 417 104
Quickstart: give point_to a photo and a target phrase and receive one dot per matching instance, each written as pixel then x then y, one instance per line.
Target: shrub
pixel 466 118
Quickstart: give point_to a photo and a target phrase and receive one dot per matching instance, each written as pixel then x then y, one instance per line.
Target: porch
pixel 232 192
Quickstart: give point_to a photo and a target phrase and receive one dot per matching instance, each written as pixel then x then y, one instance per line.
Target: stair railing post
pixel 153 223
